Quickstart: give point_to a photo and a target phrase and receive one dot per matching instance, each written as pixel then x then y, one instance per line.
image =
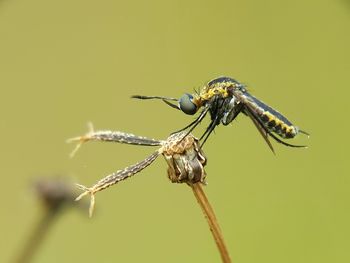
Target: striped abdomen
pixel 280 126
pixel 271 119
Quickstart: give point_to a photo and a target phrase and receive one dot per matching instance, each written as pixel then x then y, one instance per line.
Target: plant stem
pixel 212 221
pixel 37 237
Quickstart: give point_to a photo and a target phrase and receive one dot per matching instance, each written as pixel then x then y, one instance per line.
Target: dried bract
pixel 183 154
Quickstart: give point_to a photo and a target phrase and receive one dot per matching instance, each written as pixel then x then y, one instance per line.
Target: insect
pixel 225 98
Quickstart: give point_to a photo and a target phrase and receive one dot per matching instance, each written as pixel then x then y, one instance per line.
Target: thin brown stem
pixel 212 221
pixel 37 237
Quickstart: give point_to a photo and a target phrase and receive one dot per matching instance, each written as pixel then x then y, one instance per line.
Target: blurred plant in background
pixel 56 195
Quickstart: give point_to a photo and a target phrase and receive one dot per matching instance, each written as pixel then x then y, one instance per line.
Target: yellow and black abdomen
pixel 272 119
pixel 280 126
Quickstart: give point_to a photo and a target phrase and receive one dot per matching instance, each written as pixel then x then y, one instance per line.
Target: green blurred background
pixel 64 63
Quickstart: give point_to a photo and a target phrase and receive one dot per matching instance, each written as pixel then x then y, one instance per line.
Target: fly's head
pixel 189 104
pixel 218 88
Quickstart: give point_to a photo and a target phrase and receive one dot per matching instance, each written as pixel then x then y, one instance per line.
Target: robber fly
pixel 224 98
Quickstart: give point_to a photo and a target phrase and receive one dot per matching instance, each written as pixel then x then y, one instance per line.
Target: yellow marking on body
pixel 288 129
pixel 207 94
pixel 273 118
pixel 197 100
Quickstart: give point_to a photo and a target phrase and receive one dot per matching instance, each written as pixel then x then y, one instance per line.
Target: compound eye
pixel 187 105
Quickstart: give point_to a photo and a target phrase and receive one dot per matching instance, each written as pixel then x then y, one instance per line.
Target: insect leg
pixel 209 130
pixel 164 99
pixel 216 107
pixel 141 97
pixel 171 105
pixel 304 132
pixel 195 122
pixel 285 143
pixel 261 128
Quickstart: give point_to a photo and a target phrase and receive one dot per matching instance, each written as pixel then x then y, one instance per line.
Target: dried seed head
pixel 185 159
pixel 178 143
pixel 55 192
pixel 182 152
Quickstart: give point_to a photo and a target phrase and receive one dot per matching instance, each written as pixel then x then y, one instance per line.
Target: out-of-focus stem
pixel 212 221
pixel 37 236
pixel 55 194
